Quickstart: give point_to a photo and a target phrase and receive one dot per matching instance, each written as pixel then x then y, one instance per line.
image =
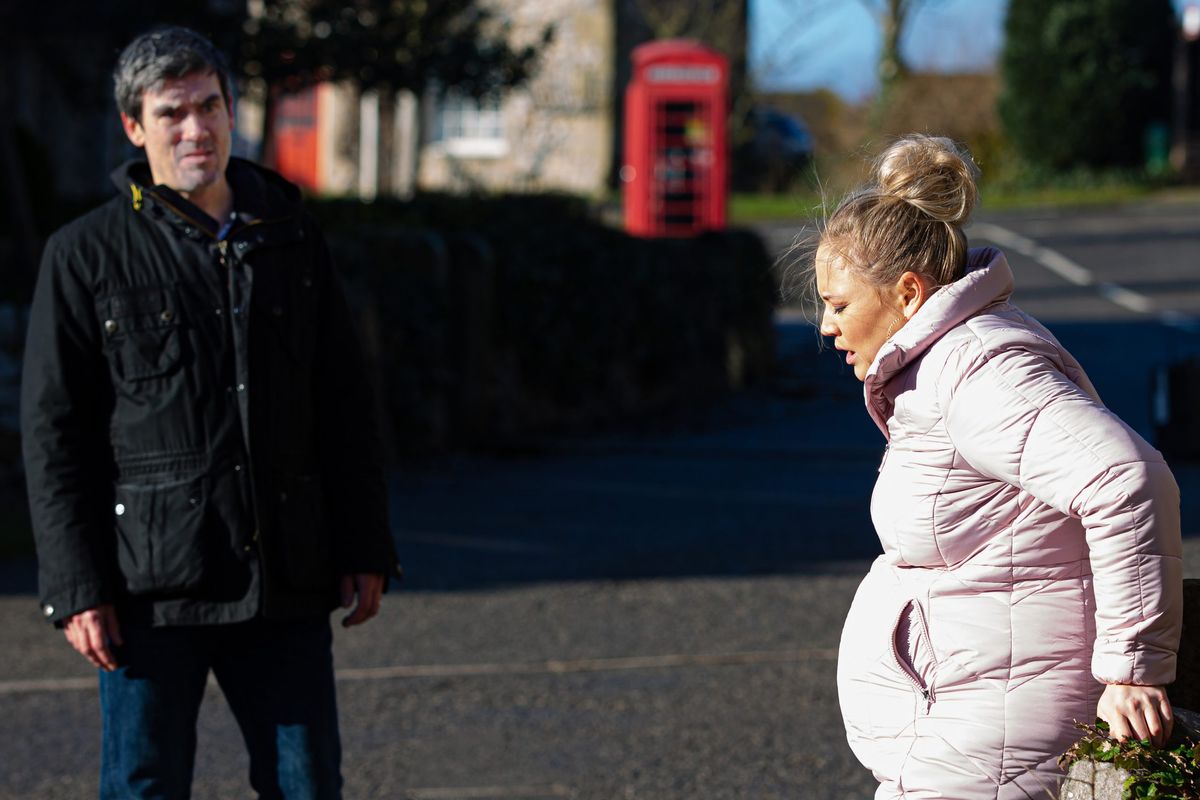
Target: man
pixel 201 460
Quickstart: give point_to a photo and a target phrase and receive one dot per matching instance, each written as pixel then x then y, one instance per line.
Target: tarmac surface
pixel 651 613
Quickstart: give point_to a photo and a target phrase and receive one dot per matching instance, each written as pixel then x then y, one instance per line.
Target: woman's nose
pixel 827 327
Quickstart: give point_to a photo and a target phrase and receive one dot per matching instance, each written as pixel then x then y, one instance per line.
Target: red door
pixel 296 137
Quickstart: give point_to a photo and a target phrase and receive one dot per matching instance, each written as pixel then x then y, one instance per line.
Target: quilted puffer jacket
pixel 1031 554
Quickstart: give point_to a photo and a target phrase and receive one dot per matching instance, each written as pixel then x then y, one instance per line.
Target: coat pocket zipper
pixel 925 691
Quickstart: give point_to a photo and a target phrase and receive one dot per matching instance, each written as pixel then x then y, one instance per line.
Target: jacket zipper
pixel 223 248
pixel 925 691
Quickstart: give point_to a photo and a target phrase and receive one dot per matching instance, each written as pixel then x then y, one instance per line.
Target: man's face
pixel 186 129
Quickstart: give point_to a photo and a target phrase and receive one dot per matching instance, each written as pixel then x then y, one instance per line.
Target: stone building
pixel 560 131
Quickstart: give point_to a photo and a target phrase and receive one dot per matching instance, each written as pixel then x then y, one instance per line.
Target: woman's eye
pixel 838 309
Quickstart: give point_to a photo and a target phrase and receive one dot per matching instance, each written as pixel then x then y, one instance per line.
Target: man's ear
pixel 912 291
pixel 133 129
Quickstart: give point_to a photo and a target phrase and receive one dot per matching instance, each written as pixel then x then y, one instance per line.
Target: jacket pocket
pixel 160 535
pixel 141 328
pixel 912 651
pixel 305 549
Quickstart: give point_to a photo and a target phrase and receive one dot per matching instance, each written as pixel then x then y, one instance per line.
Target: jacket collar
pixel 988 280
pixel 259 195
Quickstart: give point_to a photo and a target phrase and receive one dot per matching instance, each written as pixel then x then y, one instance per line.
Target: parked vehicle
pixel 776 152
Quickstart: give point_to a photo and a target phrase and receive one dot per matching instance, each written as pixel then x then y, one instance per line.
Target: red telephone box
pixel 676 163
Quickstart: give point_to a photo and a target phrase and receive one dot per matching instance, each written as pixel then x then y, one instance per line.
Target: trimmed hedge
pixel 492 319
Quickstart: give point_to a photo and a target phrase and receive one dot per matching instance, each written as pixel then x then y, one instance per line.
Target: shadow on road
pixel 772 481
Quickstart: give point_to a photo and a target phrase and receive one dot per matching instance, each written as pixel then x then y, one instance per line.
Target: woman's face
pixel 856 313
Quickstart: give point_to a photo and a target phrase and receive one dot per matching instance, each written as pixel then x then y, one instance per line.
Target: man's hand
pixel 369 589
pixel 1140 712
pixel 93 632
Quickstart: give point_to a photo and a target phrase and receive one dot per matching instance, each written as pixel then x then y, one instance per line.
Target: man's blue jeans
pixel 278 680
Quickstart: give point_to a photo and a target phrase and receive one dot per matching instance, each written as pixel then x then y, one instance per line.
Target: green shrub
pixel 1169 773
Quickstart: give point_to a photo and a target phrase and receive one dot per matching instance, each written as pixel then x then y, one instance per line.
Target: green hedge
pixel 492 319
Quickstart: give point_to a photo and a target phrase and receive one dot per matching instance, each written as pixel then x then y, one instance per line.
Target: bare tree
pixel 718 23
pixel 722 25
pixel 895 17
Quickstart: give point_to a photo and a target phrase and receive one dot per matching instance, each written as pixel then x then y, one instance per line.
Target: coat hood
pixel 988 281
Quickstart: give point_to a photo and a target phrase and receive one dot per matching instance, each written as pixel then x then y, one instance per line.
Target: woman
pixel 1031 573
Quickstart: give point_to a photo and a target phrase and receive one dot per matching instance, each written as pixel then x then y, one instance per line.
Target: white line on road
pixel 489 792
pixel 1063 267
pixel 1125 298
pixel 547 667
pixel 562 667
pixel 660 492
pixel 409 535
pixel 46 685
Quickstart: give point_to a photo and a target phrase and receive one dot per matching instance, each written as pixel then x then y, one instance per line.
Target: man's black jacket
pixel 197 428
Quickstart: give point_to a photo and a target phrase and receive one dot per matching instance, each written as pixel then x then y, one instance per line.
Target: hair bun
pixel 931 173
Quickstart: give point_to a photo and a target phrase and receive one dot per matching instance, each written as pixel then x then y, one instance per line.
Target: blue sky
pixel 807 44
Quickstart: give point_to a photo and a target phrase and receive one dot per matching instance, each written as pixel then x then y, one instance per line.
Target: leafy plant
pixel 1169 773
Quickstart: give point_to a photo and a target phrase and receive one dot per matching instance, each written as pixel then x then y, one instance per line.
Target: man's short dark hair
pixel 159 55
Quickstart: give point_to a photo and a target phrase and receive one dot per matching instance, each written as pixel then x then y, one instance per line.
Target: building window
pixel 467 127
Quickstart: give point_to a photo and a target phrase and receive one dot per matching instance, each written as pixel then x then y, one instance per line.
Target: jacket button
pixel 307 281
pixel 167 315
pixel 48 610
pixel 218 311
pixel 194 501
pixel 241 387
pixel 283 497
pixel 237 467
pixel 119 509
pixel 110 325
pixel 277 311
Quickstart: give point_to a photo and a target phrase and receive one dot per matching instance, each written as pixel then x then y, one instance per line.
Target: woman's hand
pixel 1139 712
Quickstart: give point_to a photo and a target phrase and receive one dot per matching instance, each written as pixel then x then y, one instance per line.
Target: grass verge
pixel 749 209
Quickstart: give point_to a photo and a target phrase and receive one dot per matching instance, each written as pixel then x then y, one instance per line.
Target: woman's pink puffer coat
pixel 1031 554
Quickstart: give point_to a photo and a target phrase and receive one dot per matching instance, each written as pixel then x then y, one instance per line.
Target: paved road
pixel 647 615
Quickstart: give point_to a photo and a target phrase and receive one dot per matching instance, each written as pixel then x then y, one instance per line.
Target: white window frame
pixel 465 127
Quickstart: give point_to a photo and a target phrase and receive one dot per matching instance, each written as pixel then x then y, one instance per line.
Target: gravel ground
pixel 529 692
pixel 593 724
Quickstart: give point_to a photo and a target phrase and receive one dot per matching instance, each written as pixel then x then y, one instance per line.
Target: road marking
pixel 1125 298
pixel 489 792
pixel 547 667
pixel 659 492
pixel 1065 268
pixel 46 685
pixel 410 536
pixel 563 667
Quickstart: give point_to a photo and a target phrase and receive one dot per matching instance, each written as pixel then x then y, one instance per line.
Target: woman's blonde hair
pixel 910 217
